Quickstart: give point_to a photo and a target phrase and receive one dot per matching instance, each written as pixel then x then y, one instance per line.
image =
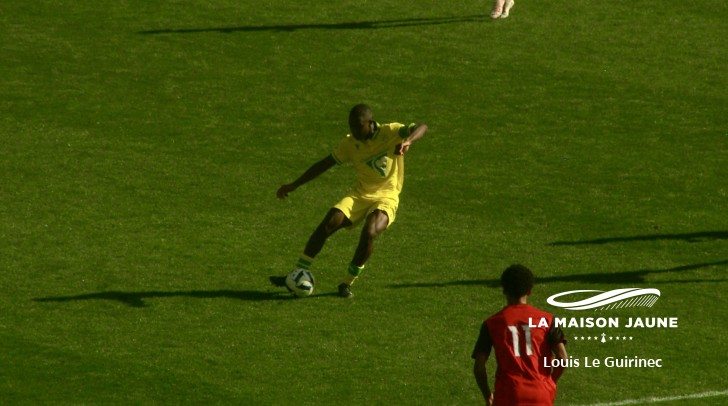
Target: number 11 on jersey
pixel 516 339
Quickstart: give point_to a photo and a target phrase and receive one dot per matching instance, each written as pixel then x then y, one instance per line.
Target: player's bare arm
pixel 559 353
pixel 417 132
pixel 311 173
pixel 481 377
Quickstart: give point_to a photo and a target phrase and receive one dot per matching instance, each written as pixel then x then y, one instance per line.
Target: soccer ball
pixel 301 282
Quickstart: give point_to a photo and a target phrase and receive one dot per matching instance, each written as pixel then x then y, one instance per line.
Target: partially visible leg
pixel 334 221
pixel 497 9
pixel 507 8
pixel 375 225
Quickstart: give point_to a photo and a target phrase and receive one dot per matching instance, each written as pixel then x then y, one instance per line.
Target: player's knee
pixel 371 230
pixel 369 233
pixel 327 228
pixel 332 223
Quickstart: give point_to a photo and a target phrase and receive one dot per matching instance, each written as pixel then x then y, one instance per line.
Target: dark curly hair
pixel 517 280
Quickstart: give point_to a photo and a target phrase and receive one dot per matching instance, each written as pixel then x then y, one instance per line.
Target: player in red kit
pixel 523 353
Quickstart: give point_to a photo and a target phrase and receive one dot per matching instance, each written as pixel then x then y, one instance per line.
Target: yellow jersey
pixel 379 172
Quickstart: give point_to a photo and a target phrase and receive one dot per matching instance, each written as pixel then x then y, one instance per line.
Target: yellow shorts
pixel 356 207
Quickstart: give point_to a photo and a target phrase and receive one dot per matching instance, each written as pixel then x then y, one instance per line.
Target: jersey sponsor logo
pixel 613 299
pixel 378 163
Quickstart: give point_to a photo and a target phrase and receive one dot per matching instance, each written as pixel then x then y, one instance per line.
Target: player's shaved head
pixel 517 280
pixel 360 113
pixel 360 122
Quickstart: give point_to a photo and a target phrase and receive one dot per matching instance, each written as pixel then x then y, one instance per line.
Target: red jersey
pixel 520 350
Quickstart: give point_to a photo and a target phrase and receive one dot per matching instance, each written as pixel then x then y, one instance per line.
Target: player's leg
pixel 376 222
pixel 334 221
pixel 507 8
pixel 497 9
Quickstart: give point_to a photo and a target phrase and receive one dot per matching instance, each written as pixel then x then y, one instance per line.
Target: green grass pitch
pixel 141 145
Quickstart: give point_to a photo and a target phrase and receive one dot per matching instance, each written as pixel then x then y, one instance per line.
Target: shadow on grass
pixel 687 237
pixel 361 25
pixel 136 299
pixel 629 277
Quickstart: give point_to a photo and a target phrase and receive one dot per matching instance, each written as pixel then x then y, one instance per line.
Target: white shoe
pixel 507 8
pixel 497 10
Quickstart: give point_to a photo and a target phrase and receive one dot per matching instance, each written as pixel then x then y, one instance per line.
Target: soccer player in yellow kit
pixel 377 153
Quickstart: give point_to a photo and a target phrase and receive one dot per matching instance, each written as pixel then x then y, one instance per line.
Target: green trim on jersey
pixel 406 130
pixel 377 127
pixel 379 163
